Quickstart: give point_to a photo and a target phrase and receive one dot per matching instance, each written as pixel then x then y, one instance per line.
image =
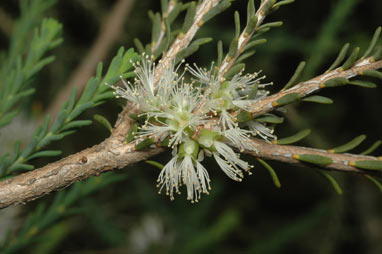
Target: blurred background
pixel 128 216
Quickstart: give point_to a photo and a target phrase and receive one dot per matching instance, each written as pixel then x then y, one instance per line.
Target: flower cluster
pixel 197 119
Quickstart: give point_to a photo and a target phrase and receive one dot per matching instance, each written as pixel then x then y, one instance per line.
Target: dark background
pixel 304 216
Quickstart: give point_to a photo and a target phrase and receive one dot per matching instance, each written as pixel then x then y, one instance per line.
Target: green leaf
pixel 268 5
pixel 49 138
pixel 340 57
pixel 156 29
pixel 41 64
pixel 72 99
pixel 237 24
pixel 234 70
pixel 313 159
pixel 47 153
pixel 244 56
pixel 16 150
pixel 251 10
pixel 59 121
pixel 292 139
pixel 271 172
pixel 251 24
pixel 271 25
pixel 244 116
pixel 332 182
pixel 194 46
pixel 65 133
pixel 220 53
pixel 254 43
pixel 189 19
pixel 351 60
pixel 372 73
pixel 318 99
pixel 270 118
pixel 89 91
pixel 79 109
pixel 253 92
pixel 76 124
pixel 164 6
pixel 222 6
pixel 144 144
pixel 165 142
pixel 139 46
pixel 363 83
pixel 348 146
pixel 44 129
pixel 334 82
pixel 287 99
pixel 21 166
pixel 155 164
pixel 372 148
pixel 132 131
pixel 103 97
pixel 375 181
pixel 373 42
pixel 281 3
pixel 138 118
pixel 102 120
pixel 296 76
pixel 367 164
pixel 174 12
pixel 233 47
pixel 162 47
pixel 7 118
pixel 30 147
pixel 378 53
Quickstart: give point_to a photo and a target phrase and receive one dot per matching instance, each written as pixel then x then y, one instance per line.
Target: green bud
pixel 206 138
pixel 190 147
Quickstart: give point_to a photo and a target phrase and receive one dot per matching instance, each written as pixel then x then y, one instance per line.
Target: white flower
pixel 181 170
pixel 197 119
pixel 178 114
pixel 169 177
pixel 231 164
pixel 204 76
pixel 142 92
pixel 261 130
pixel 240 138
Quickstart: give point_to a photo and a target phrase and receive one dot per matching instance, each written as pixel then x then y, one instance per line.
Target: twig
pixel 284 153
pixel 108 155
pixel 183 40
pixel 228 62
pixel 113 153
pixel 306 88
pixel 170 7
pixel 110 31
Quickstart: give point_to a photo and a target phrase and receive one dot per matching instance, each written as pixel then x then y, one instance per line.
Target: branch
pixel 162 33
pixel 108 155
pixel 269 103
pixel 244 38
pixel 183 40
pixel 285 153
pixel 113 153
